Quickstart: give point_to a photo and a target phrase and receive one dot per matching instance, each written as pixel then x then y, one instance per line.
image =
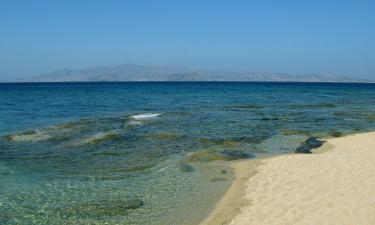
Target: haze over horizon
pixel 296 37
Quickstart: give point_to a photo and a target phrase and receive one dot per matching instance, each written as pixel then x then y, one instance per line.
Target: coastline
pixel 331 186
pixel 230 204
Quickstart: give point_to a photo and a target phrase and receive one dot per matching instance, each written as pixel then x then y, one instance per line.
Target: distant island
pixel 133 72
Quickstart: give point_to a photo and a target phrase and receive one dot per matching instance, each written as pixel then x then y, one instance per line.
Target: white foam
pixel 145 116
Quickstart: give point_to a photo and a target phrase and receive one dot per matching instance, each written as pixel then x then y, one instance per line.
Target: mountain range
pixel 133 72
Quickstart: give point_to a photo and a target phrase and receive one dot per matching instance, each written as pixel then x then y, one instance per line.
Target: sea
pixel 153 152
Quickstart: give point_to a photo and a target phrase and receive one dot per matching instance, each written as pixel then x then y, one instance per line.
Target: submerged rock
pixel 185 167
pixel 104 208
pixel 203 156
pixel 102 137
pixel 228 143
pixel 309 144
pixel 235 154
pixel 211 155
pixel 33 135
pixel 314 142
pixel 303 149
pixel 74 125
pixel 336 134
pixel 163 136
pixel 233 142
pixel 216 179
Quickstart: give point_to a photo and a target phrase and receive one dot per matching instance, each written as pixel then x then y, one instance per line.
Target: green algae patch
pixel 102 137
pixel 335 134
pixel 226 143
pixel 163 136
pixel 230 143
pixel 204 156
pixel 80 124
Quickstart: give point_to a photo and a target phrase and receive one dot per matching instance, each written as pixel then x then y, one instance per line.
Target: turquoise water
pixel 152 153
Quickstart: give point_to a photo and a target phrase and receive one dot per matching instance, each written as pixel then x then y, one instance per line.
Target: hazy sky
pixel 320 36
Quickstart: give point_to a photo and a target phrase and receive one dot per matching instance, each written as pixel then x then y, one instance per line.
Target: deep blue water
pixel 141 153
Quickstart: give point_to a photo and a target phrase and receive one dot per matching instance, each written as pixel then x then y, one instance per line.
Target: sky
pixel 299 37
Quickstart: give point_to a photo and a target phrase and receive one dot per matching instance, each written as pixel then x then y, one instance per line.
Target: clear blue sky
pixel 320 36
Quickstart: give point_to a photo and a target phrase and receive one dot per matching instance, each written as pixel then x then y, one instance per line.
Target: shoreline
pixel 326 187
pixel 231 202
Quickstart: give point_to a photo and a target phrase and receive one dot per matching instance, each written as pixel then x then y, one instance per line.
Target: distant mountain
pixel 283 77
pixel 132 72
pixel 123 72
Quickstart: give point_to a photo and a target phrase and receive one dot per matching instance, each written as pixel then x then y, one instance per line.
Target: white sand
pixel 335 187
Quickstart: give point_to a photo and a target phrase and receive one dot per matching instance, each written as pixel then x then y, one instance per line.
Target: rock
pixel 309 144
pixel 234 154
pixel 314 142
pixel 303 149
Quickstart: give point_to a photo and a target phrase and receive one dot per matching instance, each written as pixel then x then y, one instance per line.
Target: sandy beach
pixel 335 185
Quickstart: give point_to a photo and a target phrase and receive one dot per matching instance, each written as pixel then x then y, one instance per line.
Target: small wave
pixel 145 116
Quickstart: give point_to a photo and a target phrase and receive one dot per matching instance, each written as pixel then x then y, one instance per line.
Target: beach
pixel 334 185
pixel 161 153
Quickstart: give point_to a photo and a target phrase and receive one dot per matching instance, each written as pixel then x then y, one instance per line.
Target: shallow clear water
pixel 146 153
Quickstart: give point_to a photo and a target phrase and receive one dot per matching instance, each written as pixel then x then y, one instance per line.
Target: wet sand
pixel 335 185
